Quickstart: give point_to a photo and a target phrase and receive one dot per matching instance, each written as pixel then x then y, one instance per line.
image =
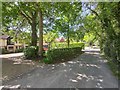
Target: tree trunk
pixel 34 34
pixel 68 37
pixel 40 34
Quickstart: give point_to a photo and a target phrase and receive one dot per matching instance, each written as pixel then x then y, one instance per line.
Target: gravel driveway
pixel 89 70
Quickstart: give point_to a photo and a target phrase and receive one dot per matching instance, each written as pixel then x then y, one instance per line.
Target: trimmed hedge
pixel 31 52
pixel 75 44
pixel 64 45
pixel 63 54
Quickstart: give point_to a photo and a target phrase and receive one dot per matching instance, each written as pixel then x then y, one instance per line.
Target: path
pixel 13 65
pixel 11 55
pixel 89 70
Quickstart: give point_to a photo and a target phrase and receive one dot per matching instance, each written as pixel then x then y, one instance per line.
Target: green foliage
pixel 89 38
pixel 63 54
pixel 26 13
pixel 31 52
pixel 103 25
pixel 47 61
pixel 18 36
pixel 19 50
pixel 110 41
pixel 4 51
pixel 58 45
pixel 77 44
pixel 114 66
pixel 112 49
pixel 64 45
pixel 50 36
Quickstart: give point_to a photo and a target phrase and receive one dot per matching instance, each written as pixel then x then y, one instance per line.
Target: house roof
pixel 61 39
pixel 4 37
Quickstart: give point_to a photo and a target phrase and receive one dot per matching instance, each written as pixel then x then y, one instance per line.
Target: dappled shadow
pixel 21 60
pixel 84 78
pixel 90 66
pixel 86 71
pixel 10 87
pixel 15 66
pixel 79 70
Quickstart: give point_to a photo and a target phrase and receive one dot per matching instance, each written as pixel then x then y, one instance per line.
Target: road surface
pixel 89 70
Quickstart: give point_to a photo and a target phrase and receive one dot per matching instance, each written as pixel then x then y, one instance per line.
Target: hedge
pixel 63 54
pixel 64 45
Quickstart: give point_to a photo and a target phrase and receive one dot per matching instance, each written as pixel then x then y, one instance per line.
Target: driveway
pixel 11 55
pixel 13 65
pixel 89 70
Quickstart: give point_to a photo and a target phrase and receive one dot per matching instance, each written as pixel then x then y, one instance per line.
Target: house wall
pixel 3 42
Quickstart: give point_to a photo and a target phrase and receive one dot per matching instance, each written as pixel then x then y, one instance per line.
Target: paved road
pixel 89 70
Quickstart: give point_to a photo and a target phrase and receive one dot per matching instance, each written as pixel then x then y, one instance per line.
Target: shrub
pixel 4 51
pixel 47 61
pixel 31 52
pixel 63 54
pixel 64 45
pixel 19 50
pixel 75 44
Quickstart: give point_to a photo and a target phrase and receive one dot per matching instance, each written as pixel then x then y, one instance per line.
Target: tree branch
pixel 26 16
pixel 93 12
pixel 96 15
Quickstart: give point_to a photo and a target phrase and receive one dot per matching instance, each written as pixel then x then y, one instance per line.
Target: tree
pixel 29 11
pixel 108 17
pixel 24 11
pixel 67 14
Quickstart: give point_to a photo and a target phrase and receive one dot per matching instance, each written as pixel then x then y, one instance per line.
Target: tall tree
pixel 32 12
pixel 27 10
pixel 108 17
pixel 67 14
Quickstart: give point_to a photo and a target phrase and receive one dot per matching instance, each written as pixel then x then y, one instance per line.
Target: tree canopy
pixel 76 21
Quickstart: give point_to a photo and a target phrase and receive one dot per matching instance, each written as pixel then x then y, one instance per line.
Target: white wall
pixel 3 42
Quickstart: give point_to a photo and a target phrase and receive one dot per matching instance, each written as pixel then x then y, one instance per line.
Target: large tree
pixel 67 14
pixel 107 27
pixel 31 12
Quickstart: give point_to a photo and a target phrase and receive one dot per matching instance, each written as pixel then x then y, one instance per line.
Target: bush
pixel 19 50
pixel 112 50
pixel 63 54
pixel 31 52
pixel 4 51
pixel 47 61
pixel 64 45
pixel 77 45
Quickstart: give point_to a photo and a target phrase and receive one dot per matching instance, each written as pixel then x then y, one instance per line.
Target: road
pixel 89 70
